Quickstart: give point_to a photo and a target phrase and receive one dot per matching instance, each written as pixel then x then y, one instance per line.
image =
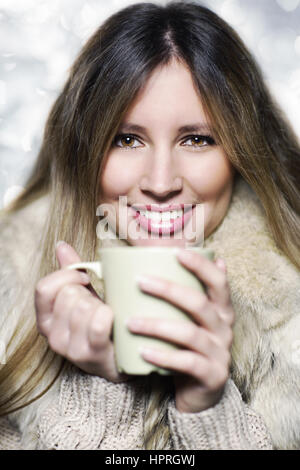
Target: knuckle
pixel 191 364
pixel 69 290
pixel 203 370
pixel 54 342
pixel 76 353
pixel 41 287
pixel 192 335
pixel 98 329
pixel 201 303
pixel 104 311
pixel 83 304
pixel 76 319
pixel 218 376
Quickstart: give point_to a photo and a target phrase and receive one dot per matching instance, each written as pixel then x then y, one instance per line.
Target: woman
pixel 165 106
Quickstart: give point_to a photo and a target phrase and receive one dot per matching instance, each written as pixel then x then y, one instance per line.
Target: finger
pixel 64 304
pixel 100 327
pixel 193 302
pixel 207 272
pixel 185 334
pixel 210 373
pixel 79 319
pixel 47 289
pixel 221 264
pixel 66 254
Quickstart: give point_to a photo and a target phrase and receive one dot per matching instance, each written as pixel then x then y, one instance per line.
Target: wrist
pixel 204 401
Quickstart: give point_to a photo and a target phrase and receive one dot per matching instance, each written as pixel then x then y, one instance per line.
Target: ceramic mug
pixel 119 268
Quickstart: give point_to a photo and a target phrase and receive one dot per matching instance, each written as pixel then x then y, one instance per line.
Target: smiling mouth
pixel 163 221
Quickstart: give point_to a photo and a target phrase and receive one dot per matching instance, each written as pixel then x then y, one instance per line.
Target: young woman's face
pixel 162 158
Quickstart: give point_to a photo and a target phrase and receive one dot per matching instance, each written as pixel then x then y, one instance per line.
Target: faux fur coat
pixel 265 291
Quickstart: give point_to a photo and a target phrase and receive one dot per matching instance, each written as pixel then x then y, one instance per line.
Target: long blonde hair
pixel 110 70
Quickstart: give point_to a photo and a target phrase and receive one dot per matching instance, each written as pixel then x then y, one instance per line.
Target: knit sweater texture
pixel 260 406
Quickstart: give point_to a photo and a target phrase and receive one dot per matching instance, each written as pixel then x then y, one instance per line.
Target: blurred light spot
pixel 26 143
pixel 288 5
pixel 87 14
pixel 288 101
pixel 297 45
pixel 294 84
pixel 278 47
pixel 10 66
pixel 64 23
pixel 39 14
pixel 232 12
pixel 11 193
pixel 2 92
pixel 86 22
pixel 8 54
pixel 17 6
pixel 40 92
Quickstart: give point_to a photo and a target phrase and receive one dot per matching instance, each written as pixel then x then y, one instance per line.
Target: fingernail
pixel 184 255
pixel 147 283
pixel 60 242
pixel 148 352
pixel 134 323
pixel 85 278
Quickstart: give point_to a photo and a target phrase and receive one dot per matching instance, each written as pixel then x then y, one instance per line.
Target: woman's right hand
pixel 75 321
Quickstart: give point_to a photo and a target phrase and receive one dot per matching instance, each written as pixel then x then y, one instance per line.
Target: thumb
pixel 66 254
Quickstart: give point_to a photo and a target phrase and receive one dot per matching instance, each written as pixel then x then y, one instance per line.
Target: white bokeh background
pixel 39 39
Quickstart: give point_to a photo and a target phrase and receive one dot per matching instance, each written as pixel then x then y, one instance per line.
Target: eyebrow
pixel 196 127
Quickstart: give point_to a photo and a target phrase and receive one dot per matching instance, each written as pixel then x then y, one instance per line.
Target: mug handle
pixel 94 266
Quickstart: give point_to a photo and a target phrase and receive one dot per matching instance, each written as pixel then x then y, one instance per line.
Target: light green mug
pixel 119 268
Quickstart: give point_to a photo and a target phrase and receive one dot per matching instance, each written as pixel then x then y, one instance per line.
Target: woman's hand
pixel 75 321
pixel 203 362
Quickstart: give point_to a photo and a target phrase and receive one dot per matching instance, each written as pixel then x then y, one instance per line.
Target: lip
pixel 163 227
pixel 156 208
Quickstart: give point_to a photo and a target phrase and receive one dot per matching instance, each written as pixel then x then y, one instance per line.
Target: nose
pixel 161 178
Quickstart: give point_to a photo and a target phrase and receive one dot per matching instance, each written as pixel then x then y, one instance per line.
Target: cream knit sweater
pixel 260 407
pixel 92 413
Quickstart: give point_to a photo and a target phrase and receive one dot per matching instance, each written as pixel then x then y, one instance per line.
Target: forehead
pixel 169 95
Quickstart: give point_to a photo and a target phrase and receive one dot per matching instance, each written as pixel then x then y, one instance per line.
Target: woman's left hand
pixel 203 361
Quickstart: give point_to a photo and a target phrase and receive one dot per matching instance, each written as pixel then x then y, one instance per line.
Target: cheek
pixel 117 178
pixel 214 177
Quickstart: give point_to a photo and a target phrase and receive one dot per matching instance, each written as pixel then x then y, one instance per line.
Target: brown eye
pixel 199 141
pixel 126 141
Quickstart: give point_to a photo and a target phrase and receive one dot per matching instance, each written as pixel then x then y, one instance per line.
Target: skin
pixel 166 167
pixel 163 166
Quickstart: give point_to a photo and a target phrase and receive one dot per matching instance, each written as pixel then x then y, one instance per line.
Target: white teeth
pixel 162 216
